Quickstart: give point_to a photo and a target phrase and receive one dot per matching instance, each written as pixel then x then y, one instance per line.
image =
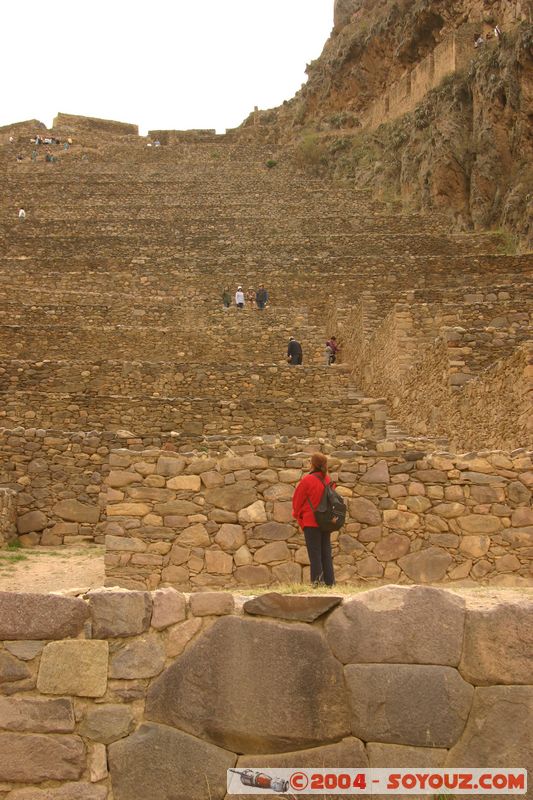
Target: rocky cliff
pixel 464 148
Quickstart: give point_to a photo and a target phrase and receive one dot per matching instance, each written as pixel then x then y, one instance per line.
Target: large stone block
pixel 68 791
pixel 234 497
pixel 498 643
pixel 169 466
pixel 274 531
pixel 248 461
pixel 379 473
pixel 392 547
pixel 117 613
pixel 400 520
pixel 251 575
pixel 270 553
pixel 480 524
pixel 381 756
pixel 74 511
pixel 32 758
pixel 426 566
pixel 169 607
pixel 205 604
pixel 185 767
pixel 299 608
pixel 35 715
pixel 218 563
pixel 363 510
pixel 230 537
pixel 32 521
pixel 349 753
pixel 399 624
pixel 254 513
pixel 40 616
pixel 237 666
pixel 11 669
pixel 498 732
pixel 424 706
pixel 142 658
pixel 107 723
pixel 74 667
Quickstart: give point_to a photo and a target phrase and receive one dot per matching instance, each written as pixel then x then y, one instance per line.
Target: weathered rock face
pixel 301 609
pixel 118 613
pixel 39 716
pixel 185 768
pixel 237 664
pixel 37 616
pixel 373 680
pixel 408 704
pixel 498 643
pixel 394 624
pixel 32 758
pixel 499 728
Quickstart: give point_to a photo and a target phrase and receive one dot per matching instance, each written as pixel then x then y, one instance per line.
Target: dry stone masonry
pixel 195 521
pixel 114 347
pixel 92 686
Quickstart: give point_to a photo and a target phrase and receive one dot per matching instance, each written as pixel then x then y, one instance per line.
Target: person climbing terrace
pixel 22 214
pixel 239 297
pixel 294 352
pixel 305 501
pixel 261 298
pixel 226 297
pixel 334 349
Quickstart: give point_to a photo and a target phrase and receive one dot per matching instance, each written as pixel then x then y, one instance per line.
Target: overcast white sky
pixel 167 64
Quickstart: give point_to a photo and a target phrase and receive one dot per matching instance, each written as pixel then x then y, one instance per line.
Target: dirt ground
pixel 45 569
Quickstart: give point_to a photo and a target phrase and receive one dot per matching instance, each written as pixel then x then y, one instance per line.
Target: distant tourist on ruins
pixel 332 348
pixel 294 352
pixel 22 214
pixel 479 40
pixel 498 33
pixel 305 501
pixel 261 297
pixel 250 297
pixel 34 155
pixel 226 297
pixel 239 297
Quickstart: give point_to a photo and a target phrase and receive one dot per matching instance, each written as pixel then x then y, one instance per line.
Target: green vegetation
pixel 12 558
pixel 271 163
pixel 14 545
pixel 508 240
pixel 311 153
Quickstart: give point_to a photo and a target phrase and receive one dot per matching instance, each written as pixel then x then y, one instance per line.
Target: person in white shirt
pixel 22 214
pixel 239 297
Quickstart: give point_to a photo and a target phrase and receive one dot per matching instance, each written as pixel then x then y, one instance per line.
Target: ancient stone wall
pixel 8 516
pixel 495 407
pixel 402 676
pixel 183 520
pixel 71 123
pixel 58 478
pixel 452 55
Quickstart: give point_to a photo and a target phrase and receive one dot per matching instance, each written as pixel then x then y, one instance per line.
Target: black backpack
pixel 330 513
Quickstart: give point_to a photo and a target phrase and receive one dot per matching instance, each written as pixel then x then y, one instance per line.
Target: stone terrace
pixel 112 331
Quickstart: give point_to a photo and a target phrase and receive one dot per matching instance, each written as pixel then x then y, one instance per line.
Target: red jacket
pixel 309 488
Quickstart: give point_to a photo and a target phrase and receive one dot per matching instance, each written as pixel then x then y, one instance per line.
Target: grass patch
pixel 303 588
pixel 12 558
pixel 509 242
pixel 14 545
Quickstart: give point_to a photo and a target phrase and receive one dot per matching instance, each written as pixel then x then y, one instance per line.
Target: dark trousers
pixel 319 550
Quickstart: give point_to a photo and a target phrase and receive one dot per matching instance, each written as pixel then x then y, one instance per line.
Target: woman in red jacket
pixel 307 496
